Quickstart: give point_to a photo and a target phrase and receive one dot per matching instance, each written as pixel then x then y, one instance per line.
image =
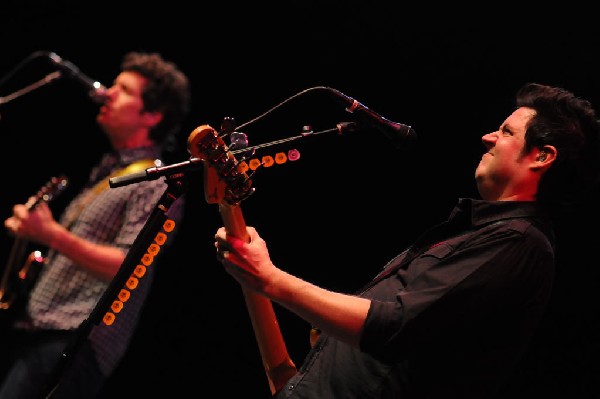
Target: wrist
pixel 56 237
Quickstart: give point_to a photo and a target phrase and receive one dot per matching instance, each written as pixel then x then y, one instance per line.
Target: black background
pixel 350 203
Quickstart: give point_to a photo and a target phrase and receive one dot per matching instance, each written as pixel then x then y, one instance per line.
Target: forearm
pixel 101 260
pixel 339 315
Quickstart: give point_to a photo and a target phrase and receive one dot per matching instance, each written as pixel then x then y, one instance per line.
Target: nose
pixel 111 89
pixel 489 139
pixel 110 92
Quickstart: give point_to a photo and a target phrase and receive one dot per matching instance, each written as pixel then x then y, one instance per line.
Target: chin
pixel 479 174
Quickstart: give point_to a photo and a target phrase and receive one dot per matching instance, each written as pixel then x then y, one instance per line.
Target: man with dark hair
pixel 145 106
pixel 451 315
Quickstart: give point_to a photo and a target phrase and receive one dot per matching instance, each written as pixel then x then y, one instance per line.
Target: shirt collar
pixel 128 155
pixel 480 212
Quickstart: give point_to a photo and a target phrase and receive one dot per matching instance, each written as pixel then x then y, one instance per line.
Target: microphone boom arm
pixel 40 83
pixel 196 163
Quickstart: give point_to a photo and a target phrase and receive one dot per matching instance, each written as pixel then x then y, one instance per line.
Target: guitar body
pixel 24 264
pixel 18 284
pixel 227 185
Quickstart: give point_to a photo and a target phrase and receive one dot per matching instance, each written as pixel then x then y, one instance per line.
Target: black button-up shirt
pixel 450 316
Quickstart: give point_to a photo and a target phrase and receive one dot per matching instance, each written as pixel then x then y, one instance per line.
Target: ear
pixel 152 119
pixel 544 157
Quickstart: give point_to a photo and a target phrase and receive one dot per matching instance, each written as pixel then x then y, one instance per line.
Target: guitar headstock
pixel 224 177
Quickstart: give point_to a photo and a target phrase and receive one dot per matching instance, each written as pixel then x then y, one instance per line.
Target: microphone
pixel 96 90
pixel 402 136
pixel 155 172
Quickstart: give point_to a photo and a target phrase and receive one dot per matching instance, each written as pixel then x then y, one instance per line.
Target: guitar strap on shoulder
pixel 102 185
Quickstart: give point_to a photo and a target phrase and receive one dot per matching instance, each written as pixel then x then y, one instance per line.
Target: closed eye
pixel 506 130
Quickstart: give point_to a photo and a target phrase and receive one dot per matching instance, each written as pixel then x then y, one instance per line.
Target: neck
pixel 132 142
pixel 515 197
pixel 514 192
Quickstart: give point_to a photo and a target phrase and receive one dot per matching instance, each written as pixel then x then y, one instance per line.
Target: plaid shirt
pixel 65 294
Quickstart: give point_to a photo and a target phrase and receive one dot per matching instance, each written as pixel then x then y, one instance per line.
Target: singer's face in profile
pixel 503 172
pixel 122 115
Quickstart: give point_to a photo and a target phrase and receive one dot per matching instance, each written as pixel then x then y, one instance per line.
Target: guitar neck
pixel 16 260
pixel 276 360
pixel 225 183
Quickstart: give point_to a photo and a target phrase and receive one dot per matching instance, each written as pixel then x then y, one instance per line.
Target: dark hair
pixel 568 123
pixel 167 91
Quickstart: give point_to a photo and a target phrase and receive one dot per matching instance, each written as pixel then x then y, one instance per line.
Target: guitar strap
pixel 102 185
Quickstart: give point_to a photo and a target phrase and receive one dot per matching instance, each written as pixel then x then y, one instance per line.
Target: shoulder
pixel 527 228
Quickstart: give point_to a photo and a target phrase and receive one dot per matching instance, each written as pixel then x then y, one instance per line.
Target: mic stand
pixel 193 163
pixel 176 186
pixel 42 82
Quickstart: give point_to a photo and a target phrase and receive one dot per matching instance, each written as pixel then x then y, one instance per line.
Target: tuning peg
pixel 238 140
